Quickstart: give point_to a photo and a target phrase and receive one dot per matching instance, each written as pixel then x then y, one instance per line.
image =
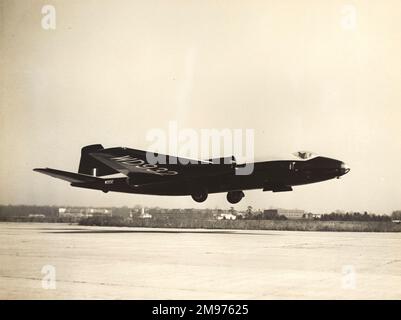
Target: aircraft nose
pixel 344 168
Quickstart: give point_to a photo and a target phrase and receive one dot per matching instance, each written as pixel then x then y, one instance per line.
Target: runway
pixel 135 263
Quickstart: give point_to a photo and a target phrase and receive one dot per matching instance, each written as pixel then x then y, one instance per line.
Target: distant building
pixel 226 216
pixel 72 213
pixel 100 212
pixel 36 216
pixel 145 215
pixel 242 214
pixel 288 213
pixel 83 212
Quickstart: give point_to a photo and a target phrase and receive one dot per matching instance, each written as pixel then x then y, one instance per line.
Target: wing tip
pixel 43 170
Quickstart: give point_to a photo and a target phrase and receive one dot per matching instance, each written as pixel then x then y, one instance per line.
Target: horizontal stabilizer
pixel 133 162
pixel 68 176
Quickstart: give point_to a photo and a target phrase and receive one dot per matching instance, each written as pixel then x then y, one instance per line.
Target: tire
pixel 200 196
pixel 235 196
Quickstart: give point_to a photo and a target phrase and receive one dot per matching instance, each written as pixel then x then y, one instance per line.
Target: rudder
pixel 90 166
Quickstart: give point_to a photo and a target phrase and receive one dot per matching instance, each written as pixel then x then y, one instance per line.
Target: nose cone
pixel 344 168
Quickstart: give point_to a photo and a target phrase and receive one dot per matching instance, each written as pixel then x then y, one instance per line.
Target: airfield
pixel 139 263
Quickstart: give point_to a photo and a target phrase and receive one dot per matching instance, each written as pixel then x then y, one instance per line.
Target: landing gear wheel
pixel 235 196
pixel 200 196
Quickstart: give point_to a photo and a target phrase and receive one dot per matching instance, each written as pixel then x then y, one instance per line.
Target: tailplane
pixel 68 176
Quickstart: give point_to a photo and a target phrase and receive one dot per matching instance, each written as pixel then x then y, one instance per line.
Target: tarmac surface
pixel 61 261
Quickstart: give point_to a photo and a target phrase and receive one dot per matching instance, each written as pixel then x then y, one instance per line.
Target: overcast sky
pixel 305 75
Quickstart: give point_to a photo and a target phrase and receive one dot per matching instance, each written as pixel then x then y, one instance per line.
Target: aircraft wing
pixel 132 161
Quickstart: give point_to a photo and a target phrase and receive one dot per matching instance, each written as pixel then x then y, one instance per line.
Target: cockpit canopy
pixel 305 155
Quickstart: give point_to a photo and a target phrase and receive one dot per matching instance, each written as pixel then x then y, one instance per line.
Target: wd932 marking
pixel 141 164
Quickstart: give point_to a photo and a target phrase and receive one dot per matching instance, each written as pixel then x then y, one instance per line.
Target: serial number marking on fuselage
pixel 141 164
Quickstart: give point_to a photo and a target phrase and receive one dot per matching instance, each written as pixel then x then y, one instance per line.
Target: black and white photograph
pixel 215 150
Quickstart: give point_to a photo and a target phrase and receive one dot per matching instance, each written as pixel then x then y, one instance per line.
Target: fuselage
pixel 273 176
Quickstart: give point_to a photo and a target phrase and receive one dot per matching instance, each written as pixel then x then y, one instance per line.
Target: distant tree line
pixel 24 211
pixel 9 211
pixel 396 215
pixel 245 224
pixel 260 215
pixel 354 216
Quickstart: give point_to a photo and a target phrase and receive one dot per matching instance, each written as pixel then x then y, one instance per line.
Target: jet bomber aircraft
pixel 197 178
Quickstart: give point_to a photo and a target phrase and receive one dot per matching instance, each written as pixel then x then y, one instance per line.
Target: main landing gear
pixel 232 196
pixel 200 196
pixel 235 196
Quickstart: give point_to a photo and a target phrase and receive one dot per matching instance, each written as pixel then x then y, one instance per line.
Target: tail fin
pixel 90 166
